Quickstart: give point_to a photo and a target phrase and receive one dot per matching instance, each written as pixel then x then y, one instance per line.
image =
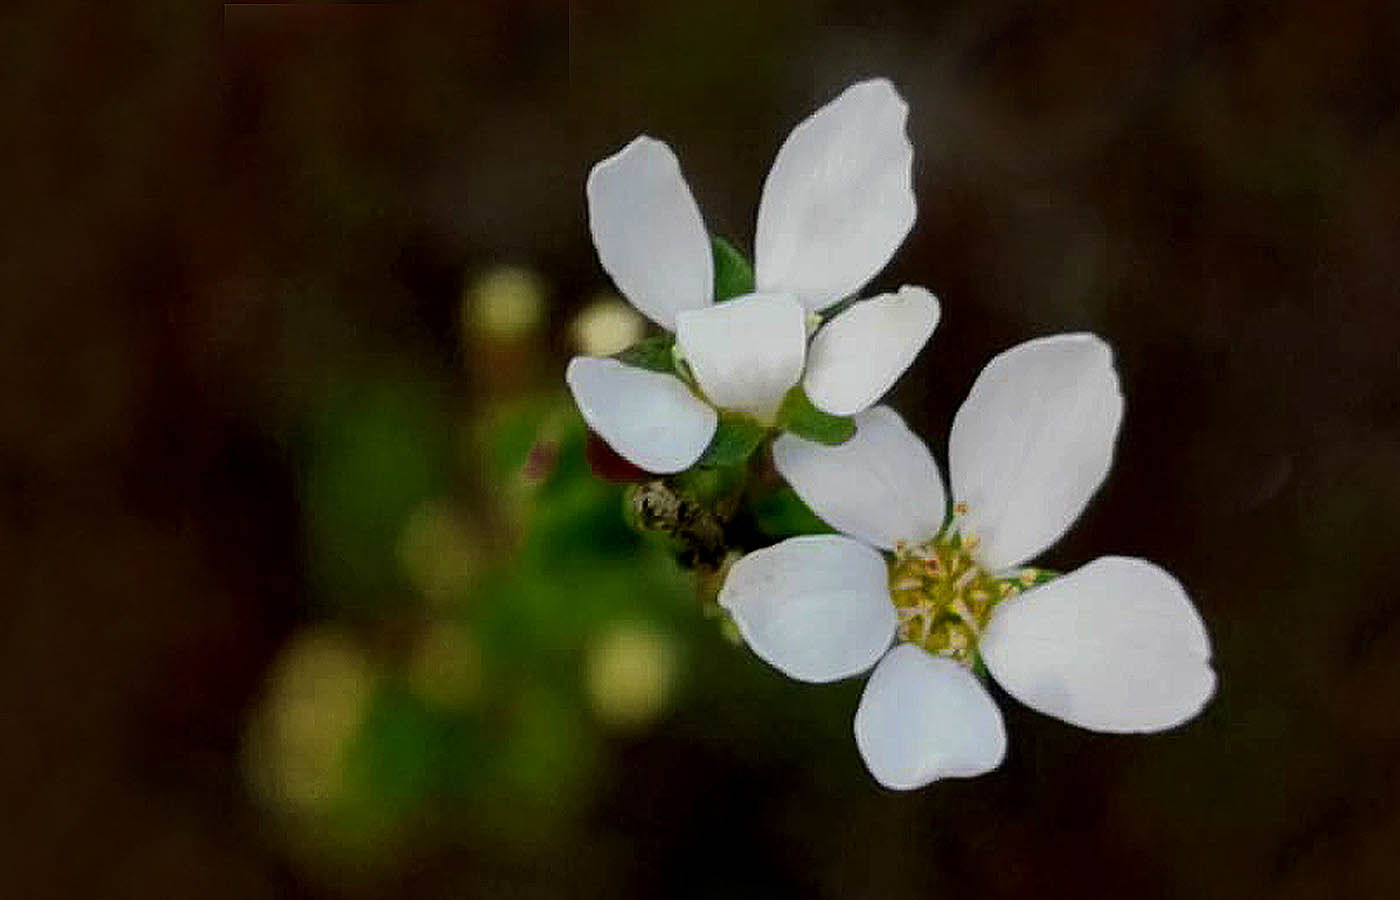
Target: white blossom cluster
pixel 926 592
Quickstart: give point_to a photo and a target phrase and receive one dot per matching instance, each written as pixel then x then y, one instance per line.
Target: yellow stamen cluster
pixel 944 598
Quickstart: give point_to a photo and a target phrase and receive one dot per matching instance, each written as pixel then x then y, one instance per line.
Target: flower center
pixel 944 598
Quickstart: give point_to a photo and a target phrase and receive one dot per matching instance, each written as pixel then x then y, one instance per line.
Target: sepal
pixel 733 273
pixel 735 440
pixel 801 418
pixel 651 353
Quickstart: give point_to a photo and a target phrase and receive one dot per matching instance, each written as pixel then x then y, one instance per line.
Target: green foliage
pixel 735 440
pixel 653 353
pixel 733 274
pixel 396 755
pixel 519 753
pixel 800 417
pixel 373 454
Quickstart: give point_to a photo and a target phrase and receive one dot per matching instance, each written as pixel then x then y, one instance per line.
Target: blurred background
pixel 309 592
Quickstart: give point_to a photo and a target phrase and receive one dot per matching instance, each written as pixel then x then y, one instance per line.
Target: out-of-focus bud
pixel 541 461
pixel 316 697
pixel 607 325
pixel 438 552
pixel 502 315
pixel 504 302
pixel 631 673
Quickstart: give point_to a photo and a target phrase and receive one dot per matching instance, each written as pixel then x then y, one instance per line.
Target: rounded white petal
pixel 1032 443
pixel 817 608
pixel 650 418
pixel 839 198
pixel 881 486
pixel 746 353
pixel 859 355
pixel 924 717
pixel 1114 646
pixel 648 231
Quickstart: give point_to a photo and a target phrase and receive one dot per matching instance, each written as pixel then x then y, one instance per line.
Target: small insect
pixel 700 530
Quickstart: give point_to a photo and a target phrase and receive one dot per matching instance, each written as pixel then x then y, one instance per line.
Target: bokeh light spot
pixel 631 673
pixel 505 302
pixel 315 700
pixel 607 325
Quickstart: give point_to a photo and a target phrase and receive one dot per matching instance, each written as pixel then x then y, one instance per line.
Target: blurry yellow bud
pixel 631 673
pixel 505 302
pixel 607 325
pixel 438 552
pixel 316 696
pixel 445 668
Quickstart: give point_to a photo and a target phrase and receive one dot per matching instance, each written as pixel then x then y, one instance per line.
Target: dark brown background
pixel 211 213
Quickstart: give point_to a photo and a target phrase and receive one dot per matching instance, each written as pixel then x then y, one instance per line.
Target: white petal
pixel 859 355
pixel 924 717
pixel 839 198
pixel 648 231
pixel 1114 646
pixel 1032 443
pixel 746 353
pixel 817 608
pixel 881 486
pixel 650 418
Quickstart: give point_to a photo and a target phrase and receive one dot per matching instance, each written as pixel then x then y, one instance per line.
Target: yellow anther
pixel 943 598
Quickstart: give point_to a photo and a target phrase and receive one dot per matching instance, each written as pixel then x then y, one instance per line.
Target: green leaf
pixel 652 353
pixel 733 274
pixel 800 417
pixel 735 440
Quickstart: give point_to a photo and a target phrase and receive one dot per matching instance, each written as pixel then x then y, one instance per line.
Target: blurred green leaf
pixel 546 747
pixel 800 417
pixel 733 274
pixel 396 755
pixel 507 434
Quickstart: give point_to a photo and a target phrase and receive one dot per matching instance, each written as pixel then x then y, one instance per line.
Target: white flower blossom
pixel 837 203
pixel 1115 645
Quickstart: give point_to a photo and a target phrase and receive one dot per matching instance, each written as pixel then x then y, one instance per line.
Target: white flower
pixel 1114 646
pixel 837 203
